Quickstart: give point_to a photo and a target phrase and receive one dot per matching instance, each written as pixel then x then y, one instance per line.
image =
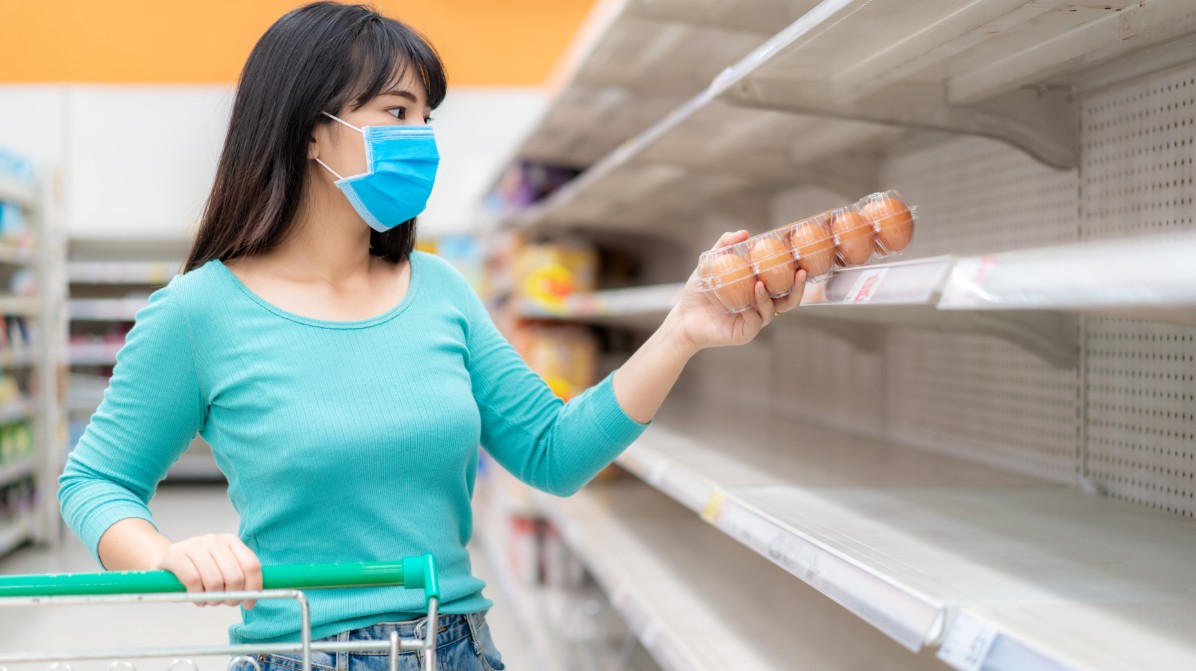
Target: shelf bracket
pixel 1043 122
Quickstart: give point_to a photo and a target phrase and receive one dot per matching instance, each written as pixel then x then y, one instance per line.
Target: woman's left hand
pixel 701 322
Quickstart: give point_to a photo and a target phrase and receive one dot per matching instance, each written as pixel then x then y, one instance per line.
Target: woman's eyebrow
pixel 403 94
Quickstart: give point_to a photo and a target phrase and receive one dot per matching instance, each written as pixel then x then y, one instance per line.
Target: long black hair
pixel 320 57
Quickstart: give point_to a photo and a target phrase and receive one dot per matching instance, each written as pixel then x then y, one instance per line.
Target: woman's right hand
pixel 214 563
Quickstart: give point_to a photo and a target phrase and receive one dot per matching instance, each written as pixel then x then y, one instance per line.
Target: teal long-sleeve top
pixel 341 440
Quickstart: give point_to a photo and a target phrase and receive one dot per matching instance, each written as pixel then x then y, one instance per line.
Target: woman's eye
pixel 398 112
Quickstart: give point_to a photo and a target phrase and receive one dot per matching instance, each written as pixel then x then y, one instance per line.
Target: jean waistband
pixel 451 628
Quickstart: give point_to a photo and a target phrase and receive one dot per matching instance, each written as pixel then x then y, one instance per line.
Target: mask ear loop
pixel 342 121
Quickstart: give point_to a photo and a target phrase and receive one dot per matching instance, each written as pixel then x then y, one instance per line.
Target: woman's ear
pixel 313 148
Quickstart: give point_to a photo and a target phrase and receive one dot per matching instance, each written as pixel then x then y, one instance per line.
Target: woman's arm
pixel 151 410
pixel 558 447
pixel 643 382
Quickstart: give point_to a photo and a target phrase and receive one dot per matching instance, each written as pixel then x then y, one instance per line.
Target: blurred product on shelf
pixel 880 224
pixel 10 393
pixel 14 226
pixel 16 442
pixel 17 499
pixel 547 274
pixel 17 335
pixel 525 183
pixel 566 356
pixel 464 253
pixel 23 282
pixel 16 167
pixel 13 229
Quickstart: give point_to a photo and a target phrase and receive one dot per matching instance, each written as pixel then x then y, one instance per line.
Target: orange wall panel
pixel 483 42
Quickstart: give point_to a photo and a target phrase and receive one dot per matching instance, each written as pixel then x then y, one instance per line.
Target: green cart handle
pixel 412 573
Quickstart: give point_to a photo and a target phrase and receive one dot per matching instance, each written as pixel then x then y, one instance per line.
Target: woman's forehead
pixel 404 81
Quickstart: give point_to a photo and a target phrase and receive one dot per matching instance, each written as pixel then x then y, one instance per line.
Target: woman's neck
pixel 328 240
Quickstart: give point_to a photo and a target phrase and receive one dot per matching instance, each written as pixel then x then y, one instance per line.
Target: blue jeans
pixel 462 644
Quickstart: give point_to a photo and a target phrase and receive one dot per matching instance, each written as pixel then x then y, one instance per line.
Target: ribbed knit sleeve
pixel 552 445
pixel 151 410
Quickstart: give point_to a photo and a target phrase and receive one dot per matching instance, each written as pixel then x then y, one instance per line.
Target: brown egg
pixel 732 279
pixel 814 247
pixel 855 236
pixel 774 265
pixel 893 221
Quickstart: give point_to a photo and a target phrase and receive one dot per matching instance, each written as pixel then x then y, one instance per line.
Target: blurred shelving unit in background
pixel 983 448
pixel 31 412
pixel 109 281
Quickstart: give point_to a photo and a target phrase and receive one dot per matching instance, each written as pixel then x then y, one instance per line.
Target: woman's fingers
pixel 764 305
pixel 214 563
pixel 230 569
pixel 794 298
pixel 251 567
pixel 731 238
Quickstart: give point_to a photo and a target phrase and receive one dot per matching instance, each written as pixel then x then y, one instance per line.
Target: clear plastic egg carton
pixel 877 225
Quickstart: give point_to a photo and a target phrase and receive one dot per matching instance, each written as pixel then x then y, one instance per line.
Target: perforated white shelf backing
pixel 1138 146
pixel 1141 412
pixel 976 196
pixel 982 398
pixel 1139 142
pixel 1125 417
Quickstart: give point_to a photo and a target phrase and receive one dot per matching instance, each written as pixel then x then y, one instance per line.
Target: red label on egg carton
pixel 866 285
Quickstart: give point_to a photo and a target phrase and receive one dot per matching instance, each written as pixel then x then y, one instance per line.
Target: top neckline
pixel 412 287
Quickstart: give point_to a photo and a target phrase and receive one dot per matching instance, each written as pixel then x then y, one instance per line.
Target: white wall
pixel 137 161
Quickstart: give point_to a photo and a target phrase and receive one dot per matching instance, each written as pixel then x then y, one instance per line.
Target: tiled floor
pixel 180 511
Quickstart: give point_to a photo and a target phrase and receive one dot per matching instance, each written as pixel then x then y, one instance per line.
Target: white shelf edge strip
pixel 1125 273
pixel 104 309
pixel 833 575
pixel 1067 278
pixel 104 272
pixel 611 303
pixel 14 192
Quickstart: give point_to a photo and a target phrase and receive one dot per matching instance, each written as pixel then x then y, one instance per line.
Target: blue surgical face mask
pixel 400 164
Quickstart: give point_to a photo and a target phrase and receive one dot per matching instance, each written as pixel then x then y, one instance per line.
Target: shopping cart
pixel 279 582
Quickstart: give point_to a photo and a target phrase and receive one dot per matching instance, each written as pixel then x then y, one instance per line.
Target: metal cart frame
pixel 279 582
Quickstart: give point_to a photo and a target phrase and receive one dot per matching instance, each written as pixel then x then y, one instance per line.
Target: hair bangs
pixel 385 54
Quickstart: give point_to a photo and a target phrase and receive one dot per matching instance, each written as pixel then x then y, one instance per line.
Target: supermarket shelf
pixel 800 108
pixel 18 358
pixel 12 191
pixel 20 306
pixel 647 304
pixel 1161 631
pixel 1145 278
pixel 124 272
pixel 104 309
pixel 14 532
pixel 698 602
pixel 999 68
pixel 522 600
pixel 904 293
pixel 907 293
pixel 634 61
pixel 15 411
pixel 14 471
pixel 93 354
pixel 909 540
pixel 13 255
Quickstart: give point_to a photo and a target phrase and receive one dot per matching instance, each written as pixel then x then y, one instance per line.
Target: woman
pixel 343 380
